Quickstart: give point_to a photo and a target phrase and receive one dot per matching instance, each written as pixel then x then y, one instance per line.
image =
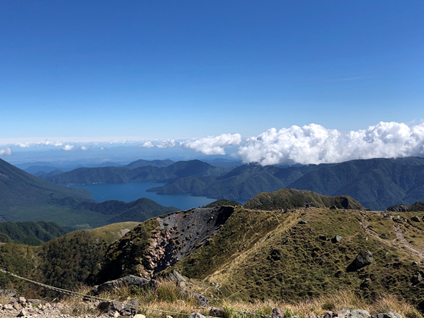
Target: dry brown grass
pixel 169 299
pixel 318 306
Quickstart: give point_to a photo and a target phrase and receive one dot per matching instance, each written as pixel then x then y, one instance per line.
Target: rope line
pixel 75 294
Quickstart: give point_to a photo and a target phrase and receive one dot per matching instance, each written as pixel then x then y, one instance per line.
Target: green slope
pixel 20 187
pixel 32 233
pixel 137 172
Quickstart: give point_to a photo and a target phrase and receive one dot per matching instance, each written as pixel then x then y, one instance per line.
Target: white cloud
pixel 85 148
pixel 23 145
pixel 314 144
pixel 68 147
pixel 5 152
pixel 213 145
pixel 147 144
pixel 167 144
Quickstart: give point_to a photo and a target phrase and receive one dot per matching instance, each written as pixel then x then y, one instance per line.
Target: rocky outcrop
pixel 161 242
pixel 398 208
pixel 124 281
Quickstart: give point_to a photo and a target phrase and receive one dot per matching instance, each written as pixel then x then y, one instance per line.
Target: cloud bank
pixel 310 144
pixel 314 144
pixel 5 152
pixel 68 147
pixel 213 145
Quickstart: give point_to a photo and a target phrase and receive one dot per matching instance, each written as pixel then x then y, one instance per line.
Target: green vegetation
pixel 31 233
pixel 65 262
pixel 293 198
pixel 129 250
pixel 137 172
pixel 222 202
pixel 375 183
pixel 268 255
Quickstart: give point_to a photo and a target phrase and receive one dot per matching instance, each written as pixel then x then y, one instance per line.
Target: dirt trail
pixel 399 236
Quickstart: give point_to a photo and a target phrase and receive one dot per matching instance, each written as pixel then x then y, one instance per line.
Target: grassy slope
pixel 293 198
pixel 64 262
pixel 268 255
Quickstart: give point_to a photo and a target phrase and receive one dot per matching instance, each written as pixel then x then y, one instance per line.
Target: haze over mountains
pixel 376 183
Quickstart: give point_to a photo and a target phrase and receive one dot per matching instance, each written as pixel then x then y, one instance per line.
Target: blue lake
pixel 134 190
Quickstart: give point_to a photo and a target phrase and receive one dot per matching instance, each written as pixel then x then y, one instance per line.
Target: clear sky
pixel 103 70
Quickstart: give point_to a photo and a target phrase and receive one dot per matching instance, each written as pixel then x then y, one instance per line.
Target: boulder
pixel 130 280
pixel 196 315
pixel 364 258
pixel 302 222
pixel 328 314
pixel 116 308
pixel 343 313
pixel 176 276
pixel 390 314
pixel 416 218
pixel 202 300
pixel 277 313
pixel 336 239
pixel 359 313
pixel 217 312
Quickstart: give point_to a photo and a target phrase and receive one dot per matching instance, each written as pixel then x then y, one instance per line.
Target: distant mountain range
pixel 375 183
pixel 24 197
pixel 138 171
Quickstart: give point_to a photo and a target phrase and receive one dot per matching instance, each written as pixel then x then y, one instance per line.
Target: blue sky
pixel 75 71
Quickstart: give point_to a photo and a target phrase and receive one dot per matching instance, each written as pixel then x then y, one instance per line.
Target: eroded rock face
pixel 171 237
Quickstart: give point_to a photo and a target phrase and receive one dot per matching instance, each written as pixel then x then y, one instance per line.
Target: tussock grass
pixel 319 306
pixel 170 300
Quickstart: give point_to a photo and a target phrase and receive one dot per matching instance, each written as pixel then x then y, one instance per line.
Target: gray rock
pixel 196 315
pixel 176 276
pixel 130 280
pixel 130 308
pixel 34 301
pixel 216 312
pixel 116 308
pixel 328 314
pixel 390 314
pixel 24 312
pixel 302 222
pixel 277 313
pixel 336 239
pixel 343 313
pixel 363 259
pixel 202 300
pixel 416 219
pixel 358 313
